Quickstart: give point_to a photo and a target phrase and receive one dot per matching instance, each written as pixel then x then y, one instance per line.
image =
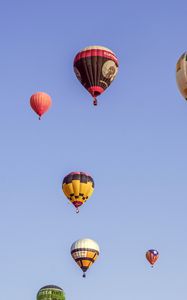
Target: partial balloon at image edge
pixel 55 292
pixel 181 74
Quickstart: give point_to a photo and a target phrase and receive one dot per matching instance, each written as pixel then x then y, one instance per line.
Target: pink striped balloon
pixel 40 103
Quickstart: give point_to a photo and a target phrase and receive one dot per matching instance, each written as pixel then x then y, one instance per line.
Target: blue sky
pixel 133 144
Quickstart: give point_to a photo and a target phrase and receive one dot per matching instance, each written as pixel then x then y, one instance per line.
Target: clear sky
pixel 134 145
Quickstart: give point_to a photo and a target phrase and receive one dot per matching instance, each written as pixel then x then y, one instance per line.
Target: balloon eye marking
pixel 109 70
pixel 101 81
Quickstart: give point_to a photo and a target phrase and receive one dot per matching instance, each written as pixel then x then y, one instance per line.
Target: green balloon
pixel 51 292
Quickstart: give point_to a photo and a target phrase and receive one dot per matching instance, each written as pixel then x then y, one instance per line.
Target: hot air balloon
pixel 40 103
pixel 181 74
pixel 152 256
pixel 85 253
pixel 95 67
pixel 51 292
pixel 78 187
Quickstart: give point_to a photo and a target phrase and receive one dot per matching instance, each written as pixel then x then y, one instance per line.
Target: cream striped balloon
pixel 85 253
pixel 181 74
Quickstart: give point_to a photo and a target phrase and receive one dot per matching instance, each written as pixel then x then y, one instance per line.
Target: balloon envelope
pixel 96 68
pixel 40 103
pixel 85 252
pixel 181 74
pixel 78 187
pixel 152 256
pixel 50 292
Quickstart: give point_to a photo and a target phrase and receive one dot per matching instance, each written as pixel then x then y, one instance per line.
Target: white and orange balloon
pixel 85 252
